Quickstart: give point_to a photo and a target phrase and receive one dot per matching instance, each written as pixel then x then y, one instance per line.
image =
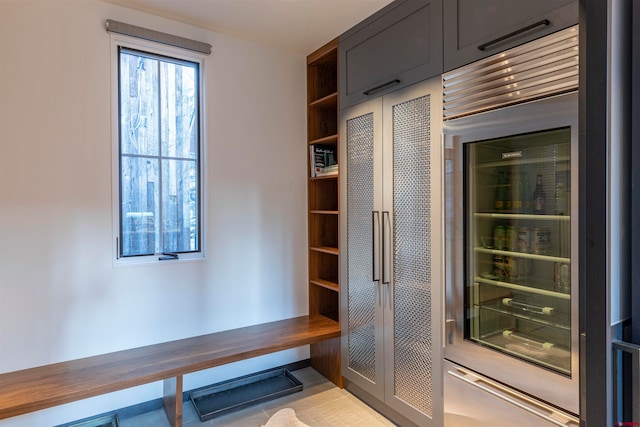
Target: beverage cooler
pixel 511 195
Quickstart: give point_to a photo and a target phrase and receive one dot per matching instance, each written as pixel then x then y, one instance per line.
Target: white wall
pixel 61 298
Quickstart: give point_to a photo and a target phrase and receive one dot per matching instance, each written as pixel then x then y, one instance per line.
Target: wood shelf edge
pixel 325 101
pixel 332 286
pixel 330 139
pixel 315 178
pixel 324 212
pixel 325 249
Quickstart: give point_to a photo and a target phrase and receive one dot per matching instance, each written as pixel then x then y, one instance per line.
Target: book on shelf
pixel 323 160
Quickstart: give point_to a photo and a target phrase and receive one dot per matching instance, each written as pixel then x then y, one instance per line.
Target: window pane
pixel 140 206
pixel 179 110
pixel 159 154
pixel 180 225
pixel 139 130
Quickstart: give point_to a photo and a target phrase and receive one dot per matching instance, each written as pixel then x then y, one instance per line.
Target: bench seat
pixel 46 386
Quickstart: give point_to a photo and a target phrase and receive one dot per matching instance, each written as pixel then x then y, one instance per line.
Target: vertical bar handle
pixel 375 246
pixel 386 245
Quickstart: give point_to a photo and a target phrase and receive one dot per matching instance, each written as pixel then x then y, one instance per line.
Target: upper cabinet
pixel 397 46
pixel 476 29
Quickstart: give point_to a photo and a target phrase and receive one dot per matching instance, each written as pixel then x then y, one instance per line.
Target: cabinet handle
pixel 544 22
pixel 386 243
pixel 375 247
pixel 380 87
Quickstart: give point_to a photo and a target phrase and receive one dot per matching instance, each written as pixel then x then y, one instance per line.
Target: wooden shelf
pixel 325 250
pixel 331 139
pixel 323 210
pixel 325 284
pixel 325 177
pixel 329 101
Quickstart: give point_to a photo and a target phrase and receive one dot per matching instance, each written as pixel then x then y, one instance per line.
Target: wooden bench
pixel 46 386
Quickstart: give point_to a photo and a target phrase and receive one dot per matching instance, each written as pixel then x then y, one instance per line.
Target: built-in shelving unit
pixel 323 209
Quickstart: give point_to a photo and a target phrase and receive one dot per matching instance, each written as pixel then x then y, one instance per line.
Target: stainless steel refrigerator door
pixel 473 400
pixel 560 389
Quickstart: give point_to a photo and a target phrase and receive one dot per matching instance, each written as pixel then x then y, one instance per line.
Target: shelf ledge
pixel 326 101
pixel 323 212
pixel 325 249
pixel 325 284
pixel 329 139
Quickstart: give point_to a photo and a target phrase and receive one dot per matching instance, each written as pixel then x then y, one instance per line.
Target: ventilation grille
pixel 541 68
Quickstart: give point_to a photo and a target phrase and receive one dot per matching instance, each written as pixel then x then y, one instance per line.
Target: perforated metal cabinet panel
pixel 360 205
pixel 412 341
pixel 390 349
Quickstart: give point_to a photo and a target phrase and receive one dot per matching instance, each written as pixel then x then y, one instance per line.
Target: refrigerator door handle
pixel 556 418
pixel 386 247
pixel 375 246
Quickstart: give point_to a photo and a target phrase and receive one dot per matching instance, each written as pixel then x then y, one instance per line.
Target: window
pixel 159 157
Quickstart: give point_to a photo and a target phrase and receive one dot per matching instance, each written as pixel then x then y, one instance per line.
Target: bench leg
pixel 173 400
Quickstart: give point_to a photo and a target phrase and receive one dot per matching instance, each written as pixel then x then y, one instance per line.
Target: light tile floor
pixel 319 404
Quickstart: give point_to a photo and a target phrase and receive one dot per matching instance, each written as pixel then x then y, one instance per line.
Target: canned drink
pixel 499 266
pixel 511 238
pixel 499 237
pixel 511 268
pixel 524 240
pixel 540 240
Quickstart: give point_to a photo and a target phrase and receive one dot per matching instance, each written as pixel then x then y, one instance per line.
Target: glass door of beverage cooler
pixel 518 246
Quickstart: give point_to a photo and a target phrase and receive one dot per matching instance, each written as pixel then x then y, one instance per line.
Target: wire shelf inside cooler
pixel 556 319
pixel 555 358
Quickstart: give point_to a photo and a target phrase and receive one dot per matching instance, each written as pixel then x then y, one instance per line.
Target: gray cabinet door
pixel 476 29
pixel 397 46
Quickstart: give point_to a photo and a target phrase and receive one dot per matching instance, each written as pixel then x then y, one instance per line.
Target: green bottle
pixel 501 192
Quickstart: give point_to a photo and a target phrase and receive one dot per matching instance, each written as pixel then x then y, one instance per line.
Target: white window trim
pixel 118 40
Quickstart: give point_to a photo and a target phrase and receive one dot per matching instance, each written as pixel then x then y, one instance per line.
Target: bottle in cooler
pixel 539 197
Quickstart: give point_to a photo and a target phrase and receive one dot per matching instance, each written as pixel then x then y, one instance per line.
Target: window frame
pixel 154 48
